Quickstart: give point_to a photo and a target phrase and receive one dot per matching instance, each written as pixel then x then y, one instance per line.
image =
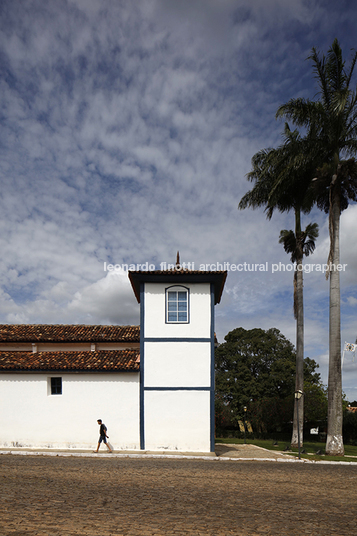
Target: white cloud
pixel 110 299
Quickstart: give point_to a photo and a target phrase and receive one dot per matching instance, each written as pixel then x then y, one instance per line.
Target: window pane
pixel 182 306
pixel 182 317
pixel 172 317
pixel 172 296
pixel 182 296
pixel 172 306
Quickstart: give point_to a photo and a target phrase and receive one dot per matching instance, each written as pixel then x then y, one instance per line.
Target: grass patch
pixel 310 447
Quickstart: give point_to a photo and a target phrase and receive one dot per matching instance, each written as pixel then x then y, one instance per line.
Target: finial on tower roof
pixel 178 258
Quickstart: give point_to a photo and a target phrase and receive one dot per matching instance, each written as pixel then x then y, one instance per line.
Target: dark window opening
pixel 56 386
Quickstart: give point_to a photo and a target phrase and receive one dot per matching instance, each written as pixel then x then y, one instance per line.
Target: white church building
pixel 152 385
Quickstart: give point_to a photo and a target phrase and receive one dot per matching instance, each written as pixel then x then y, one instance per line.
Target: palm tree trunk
pixel 334 441
pixel 299 315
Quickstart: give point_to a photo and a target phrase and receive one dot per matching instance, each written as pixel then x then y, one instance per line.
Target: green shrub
pixel 350 427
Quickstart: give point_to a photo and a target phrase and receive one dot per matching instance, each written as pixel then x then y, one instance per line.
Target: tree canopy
pixel 256 368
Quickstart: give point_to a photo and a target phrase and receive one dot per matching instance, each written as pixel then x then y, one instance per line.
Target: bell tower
pixel 177 357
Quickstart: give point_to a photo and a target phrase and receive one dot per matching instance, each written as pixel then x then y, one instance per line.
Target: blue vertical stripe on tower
pixel 142 343
pixel 212 409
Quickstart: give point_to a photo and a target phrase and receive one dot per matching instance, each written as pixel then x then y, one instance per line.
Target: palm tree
pixel 282 178
pixel 299 244
pixel 334 117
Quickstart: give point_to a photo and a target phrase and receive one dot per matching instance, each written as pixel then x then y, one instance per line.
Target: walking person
pixel 102 435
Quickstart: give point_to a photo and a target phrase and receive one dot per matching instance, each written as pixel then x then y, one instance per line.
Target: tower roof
pixel 177 276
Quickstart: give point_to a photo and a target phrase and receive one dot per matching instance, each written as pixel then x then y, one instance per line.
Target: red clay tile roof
pixel 104 360
pixel 68 333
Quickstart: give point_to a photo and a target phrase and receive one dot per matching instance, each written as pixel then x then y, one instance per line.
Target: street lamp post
pixel 298 395
pixel 245 418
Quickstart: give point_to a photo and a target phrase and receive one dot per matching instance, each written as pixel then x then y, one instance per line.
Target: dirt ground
pixel 55 496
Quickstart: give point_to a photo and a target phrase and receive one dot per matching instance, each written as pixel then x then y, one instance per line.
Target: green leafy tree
pixel 256 368
pixel 315 396
pixel 333 118
pixel 350 426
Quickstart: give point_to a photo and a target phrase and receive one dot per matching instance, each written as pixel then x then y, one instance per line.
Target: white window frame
pixel 177 289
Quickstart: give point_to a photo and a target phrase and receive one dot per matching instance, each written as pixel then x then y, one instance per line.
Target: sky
pixel 127 131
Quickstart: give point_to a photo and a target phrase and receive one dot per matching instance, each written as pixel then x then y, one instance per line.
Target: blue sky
pixel 127 130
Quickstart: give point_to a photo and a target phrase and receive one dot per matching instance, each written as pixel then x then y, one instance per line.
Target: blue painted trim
pixel 177 388
pixel 212 416
pixel 142 364
pixel 177 339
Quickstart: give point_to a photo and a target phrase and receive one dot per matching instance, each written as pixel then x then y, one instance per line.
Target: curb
pixel 169 456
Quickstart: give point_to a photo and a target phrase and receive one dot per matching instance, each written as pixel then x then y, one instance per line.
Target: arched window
pixel 177 305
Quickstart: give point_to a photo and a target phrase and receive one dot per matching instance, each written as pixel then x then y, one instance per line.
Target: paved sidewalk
pixel 223 452
pixel 251 452
pixel 233 452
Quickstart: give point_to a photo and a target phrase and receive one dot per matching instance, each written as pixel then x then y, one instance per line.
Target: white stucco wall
pixel 179 364
pixel 177 420
pixel 31 417
pixel 200 312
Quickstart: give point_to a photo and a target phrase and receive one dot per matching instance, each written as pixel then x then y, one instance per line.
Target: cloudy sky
pixel 127 131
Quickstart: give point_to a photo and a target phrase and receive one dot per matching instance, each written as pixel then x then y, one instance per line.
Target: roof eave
pixel 218 278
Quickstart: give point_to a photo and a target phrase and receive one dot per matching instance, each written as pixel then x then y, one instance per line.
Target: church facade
pixel 152 385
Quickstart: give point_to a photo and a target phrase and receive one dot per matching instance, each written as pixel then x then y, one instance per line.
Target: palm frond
pixel 288 239
pixel 320 74
pixel 309 237
pixel 350 73
pixel 334 68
